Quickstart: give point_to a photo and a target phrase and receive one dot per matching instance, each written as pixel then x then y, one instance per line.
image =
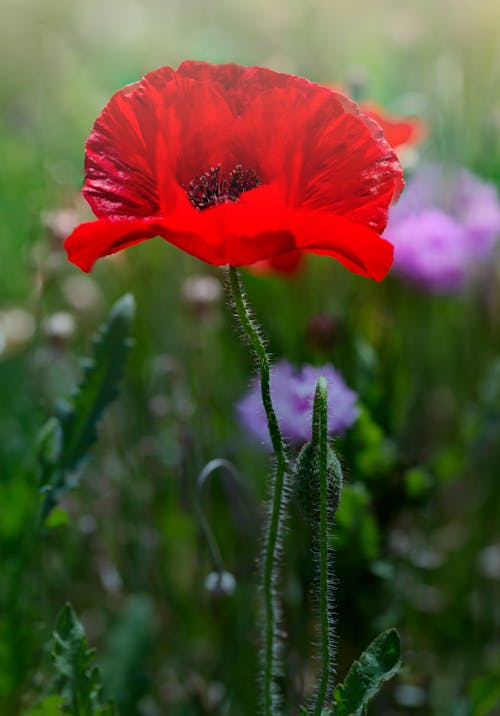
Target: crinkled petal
pixel 327 175
pixel 323 155
pixel 238 84
pixel 150 140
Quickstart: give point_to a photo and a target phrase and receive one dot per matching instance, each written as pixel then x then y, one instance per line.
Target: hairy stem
pixel 320 437
pixel 271 607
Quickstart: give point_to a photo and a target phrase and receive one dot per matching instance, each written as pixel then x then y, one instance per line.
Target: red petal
pixel 195 234
pixel 323 156
pixel 151 140
pixel 95 239
pixel 285 264
pixel 252 229
pixel 120 152
pixel 239 85
pixel 260 227
pixel 357 247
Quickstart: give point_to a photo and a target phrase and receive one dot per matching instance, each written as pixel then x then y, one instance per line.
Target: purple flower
pixel 446 223
pixel 292 391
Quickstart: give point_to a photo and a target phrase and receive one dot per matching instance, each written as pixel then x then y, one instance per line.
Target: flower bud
pixel 306 481
pixel 220 584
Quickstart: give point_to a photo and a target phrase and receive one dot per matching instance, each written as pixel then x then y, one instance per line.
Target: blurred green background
pixel 417 541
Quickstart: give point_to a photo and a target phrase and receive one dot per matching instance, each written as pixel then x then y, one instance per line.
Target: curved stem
pixel 324 548
pixel 208 470
pixel 271 607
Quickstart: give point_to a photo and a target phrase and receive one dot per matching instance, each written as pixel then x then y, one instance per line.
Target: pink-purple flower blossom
pixel 292 391
pixel 445 225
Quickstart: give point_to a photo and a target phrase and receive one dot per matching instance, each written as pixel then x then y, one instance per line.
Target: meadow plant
pixel 238 165
pixel 444 228
pixel 292 391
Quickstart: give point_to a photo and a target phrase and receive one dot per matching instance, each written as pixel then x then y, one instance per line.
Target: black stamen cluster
pixel 215 187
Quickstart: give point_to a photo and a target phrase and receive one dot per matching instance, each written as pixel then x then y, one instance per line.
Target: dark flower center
pixel 215 187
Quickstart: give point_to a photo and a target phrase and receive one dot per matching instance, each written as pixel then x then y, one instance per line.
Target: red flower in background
pixel 399 131
pixel 235 165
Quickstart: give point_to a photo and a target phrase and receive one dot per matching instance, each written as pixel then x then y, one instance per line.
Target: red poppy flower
pixel 234 165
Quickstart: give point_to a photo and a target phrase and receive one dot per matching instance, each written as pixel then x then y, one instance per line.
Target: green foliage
pixel 57 518
pixel 374 453
pixel 66 438
pixel 380 662
pixel 77 681
pixel 485 693
pixel 355 523
pixel 50 706
pixel 418 482
pixel 18 495
pixel 123 665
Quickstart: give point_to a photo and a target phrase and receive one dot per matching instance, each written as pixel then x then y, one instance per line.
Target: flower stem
pixel 274 529
pixel 320 436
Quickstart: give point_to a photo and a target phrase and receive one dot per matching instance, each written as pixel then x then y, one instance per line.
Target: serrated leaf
pixel 66 438
pixel 380 662
pixel 80 414
pixel 76 681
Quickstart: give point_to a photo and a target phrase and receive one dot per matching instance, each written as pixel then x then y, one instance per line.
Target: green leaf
pixel 57 518
pixel 380 662
pixel 124 663
pixel 356 526
pixel 418 482
pixel 77 682
pixel 485 694
pixel 50 706
pixel 66 438
pixel 374 452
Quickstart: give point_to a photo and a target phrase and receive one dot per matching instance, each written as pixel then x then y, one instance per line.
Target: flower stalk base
pixel 274 529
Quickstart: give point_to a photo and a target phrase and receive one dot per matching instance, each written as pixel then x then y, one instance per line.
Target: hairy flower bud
pixel 306 481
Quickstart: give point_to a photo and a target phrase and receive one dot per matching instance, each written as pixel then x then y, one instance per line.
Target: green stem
pixel 320 436
pixel 271 608
pixel 207 471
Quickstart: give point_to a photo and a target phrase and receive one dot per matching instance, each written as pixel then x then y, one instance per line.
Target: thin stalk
pixel 320 436
pixel 207 471
pixel 271 607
